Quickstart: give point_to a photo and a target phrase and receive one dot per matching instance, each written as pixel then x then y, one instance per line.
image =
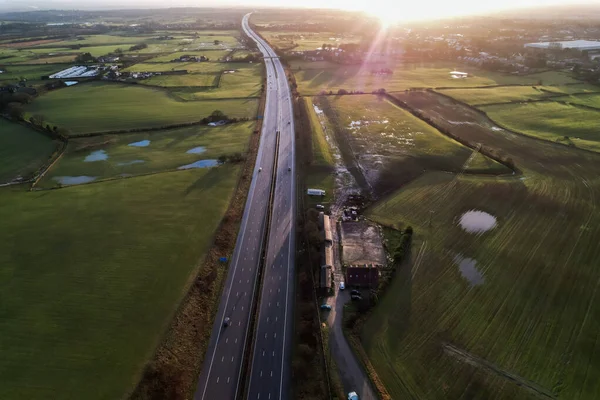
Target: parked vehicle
pixel 325 307
pixel 356 292
pixel 352 396
pixel 320 207
pixel 356 297
pixel 342 285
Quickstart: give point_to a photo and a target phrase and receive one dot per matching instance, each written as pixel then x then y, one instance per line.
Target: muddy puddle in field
pixel 200 164
pixel 124 163
pixel 74 180
pixel 475 221
pixel 98 155
pixel 141 143
pixel 196 150
pixel 468 269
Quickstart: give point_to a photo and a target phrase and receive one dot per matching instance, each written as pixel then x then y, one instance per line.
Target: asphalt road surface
pixel 271 359
pixel 222 369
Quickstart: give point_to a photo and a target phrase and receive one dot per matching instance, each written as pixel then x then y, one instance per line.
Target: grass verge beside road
pixel 110 263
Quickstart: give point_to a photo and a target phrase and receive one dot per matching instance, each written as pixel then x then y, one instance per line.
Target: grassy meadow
pixel 497 94
pixel 392 146
pixel 551 121
pixel 22 151
pixel 181 80
pixel 85 307
pixel 13 73
pixel 243 83
pixel 165 150
pixel 213 55
pixel 97 107
pixel 312 78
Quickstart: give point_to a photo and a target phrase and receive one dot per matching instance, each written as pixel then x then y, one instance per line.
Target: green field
pixel 244 82
pixel 29 72
pixel 306 40
pixel 181 80
pixel 508 313
pixel 586 100
pixel 551 121
pixel 52 60
pixel 166 150
pixel 91 276
pixel 392 146
pixel 213 55
pixel 497 94
pixel 199 67
pixel 312 80
pixel 98 107
pixel 10 55
pixel 22 151
pixel 104 39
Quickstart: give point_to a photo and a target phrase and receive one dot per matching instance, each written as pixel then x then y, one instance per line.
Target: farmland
pixel 242 83
pixel 86 305
pixel 97 107
pixel 391 146
pixel 181 80
pixel 301 41
pixel 551 121
pixel 517 300
pixel 213 55
pixel 22 151
pixel 147 152
pixel 332 77
pixel 29 72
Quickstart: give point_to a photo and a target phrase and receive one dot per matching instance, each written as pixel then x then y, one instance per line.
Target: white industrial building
pixel 581 45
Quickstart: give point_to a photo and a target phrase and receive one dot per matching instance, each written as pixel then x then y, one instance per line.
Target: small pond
pixel 130 162
pixel 200 164
pixel 469 271
pixel 477 221
pixel 98 155
pixel 74 180
pixel 141 143
pixel 197 150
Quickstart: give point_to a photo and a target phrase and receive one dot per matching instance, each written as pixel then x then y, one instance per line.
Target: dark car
pixel 356 292
pixel 356 297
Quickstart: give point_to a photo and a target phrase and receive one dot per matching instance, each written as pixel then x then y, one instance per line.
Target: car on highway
pixel 289 168
pixel 342 285
pixel 352 396
pixel 260 169
pixel 226 322
pixel 325 307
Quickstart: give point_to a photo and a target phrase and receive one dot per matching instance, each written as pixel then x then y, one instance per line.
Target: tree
pixel 85 57
pixel 15 111
pixel 37 119
pixel 216 42
pixel 222 159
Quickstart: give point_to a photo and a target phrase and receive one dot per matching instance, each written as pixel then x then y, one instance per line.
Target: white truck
pixel 315 192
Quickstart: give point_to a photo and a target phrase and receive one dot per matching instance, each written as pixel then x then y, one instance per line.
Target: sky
pixel 387 10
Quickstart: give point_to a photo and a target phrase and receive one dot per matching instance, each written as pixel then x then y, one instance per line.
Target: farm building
pixel 362 275
pixel 326 250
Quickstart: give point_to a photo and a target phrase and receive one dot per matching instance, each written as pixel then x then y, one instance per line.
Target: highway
pixel 221 375
pixel 271 359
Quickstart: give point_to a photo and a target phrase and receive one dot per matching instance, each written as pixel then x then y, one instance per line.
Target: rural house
pixel 363 275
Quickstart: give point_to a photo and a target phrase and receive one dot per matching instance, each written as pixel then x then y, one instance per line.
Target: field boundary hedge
pixel 483 113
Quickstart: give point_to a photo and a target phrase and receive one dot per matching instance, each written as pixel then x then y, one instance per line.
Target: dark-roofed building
pixel 363 275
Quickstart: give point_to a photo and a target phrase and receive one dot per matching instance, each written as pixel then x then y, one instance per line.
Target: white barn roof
pixel 582 45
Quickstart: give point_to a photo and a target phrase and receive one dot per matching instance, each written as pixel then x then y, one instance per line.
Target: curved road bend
pixel 222 369
pixel 271 360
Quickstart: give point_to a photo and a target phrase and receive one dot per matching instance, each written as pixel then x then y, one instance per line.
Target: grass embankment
pixel 320 174
pixel 392 147
pixel 517 301
pixel 98 107
pixel 165 150
pixel 22 151
pixel 551 121
pixel 326 76
pixel 92 276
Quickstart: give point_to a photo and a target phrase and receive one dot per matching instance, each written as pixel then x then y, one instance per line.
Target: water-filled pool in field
pixel 200 164
pixel 98 155
pixel 141 143
pixel 74 180
pixel 468 269
pixel 197 150
pixel 130 162
pixel 474 221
